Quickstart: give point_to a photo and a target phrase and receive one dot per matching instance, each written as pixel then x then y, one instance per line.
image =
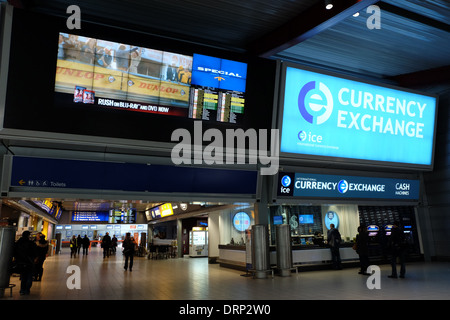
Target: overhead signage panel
pixel 307 185
pixel 330 116
pixel 80 174
pixel 90 216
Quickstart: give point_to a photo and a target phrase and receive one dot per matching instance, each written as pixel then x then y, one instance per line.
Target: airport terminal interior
pixel 247 151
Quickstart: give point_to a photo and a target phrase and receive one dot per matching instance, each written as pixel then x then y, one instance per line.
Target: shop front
pixel 311 202
pixel 203 229
pixel 30 215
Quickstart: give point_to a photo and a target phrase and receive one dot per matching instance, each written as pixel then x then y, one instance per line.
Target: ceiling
pixel 414 35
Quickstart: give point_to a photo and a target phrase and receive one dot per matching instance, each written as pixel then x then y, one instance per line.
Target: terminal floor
pixel 195 279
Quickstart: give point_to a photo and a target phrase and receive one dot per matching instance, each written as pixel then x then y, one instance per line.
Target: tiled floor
pixel 195 279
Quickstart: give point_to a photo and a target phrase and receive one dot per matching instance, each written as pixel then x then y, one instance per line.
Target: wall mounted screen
pixel 102 83
pixel 121 76
pixel 326 115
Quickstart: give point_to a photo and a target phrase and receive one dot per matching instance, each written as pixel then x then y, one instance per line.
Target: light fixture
pixel 356 14
pixel 328 4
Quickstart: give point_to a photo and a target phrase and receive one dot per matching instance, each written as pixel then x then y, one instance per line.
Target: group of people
pixel 29 256
pixel 397 247
pixel 76 243
pixel 129 247
pixel 109 245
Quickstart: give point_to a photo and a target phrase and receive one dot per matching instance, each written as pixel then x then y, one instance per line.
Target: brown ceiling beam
pixel 387 7
pixel 423 78
pixel 307 24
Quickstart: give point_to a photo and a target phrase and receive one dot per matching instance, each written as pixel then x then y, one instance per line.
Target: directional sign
pixel 80 174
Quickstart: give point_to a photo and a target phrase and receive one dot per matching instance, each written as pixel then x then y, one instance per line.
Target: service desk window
pixel 305 221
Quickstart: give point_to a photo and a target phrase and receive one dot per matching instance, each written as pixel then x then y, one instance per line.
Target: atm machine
pixel 198 242
pixel 388 229
pixel 373 231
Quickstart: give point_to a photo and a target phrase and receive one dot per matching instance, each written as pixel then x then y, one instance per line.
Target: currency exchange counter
pixel 233 256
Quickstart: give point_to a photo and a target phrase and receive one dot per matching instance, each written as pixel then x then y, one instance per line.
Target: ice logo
pixel 320 103
pixel 286 181
pixel 343 186
pixel 302 135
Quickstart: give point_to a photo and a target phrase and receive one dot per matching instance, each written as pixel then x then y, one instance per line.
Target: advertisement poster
pixel 324 115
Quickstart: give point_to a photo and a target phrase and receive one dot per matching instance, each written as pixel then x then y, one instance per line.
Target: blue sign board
pixel 218 73
pixel 241 221
pixel 331 217
pixel 82 174
pixel 91 216
pixel 308 185
pixel 306 219
pixel 329 116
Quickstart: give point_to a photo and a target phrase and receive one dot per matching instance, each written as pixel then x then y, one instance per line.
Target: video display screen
pixel 306 219
pixel 90 95
pixel 114 75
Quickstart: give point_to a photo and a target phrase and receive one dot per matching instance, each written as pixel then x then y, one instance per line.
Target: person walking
pixel 79 244
pixel 86 243
pixel 398 248
pixel 114 244
pixel 106 245
pixel 129 247
pixel 73 246
pixel 362 248
pixel 334 241
pixel 24 256
pixel 42 253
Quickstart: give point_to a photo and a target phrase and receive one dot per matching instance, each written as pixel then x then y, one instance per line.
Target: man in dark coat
pixel 398 250
pixel 106 245
pixel 334 241
pixel 86 243
pixel 42 253
pixel 25 255
pixel 129 247
pixel 362 248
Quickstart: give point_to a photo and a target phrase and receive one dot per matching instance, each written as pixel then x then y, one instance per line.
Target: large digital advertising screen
pixel 325 115
pixel 105 84
pixel 121 76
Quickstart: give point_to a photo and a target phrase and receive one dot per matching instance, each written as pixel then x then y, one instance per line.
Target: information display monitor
pixel 306 219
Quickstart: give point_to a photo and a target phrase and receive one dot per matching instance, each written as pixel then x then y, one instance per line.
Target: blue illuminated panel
pixel 328 116
pixel 309 185
pixel 218 73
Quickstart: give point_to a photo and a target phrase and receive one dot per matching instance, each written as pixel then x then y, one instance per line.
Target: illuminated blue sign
pixel 308 185
pixel 218 73
pixel 93 216
pixel 286 181
pixel 241 221
pixel 324 115
pixel 331 217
